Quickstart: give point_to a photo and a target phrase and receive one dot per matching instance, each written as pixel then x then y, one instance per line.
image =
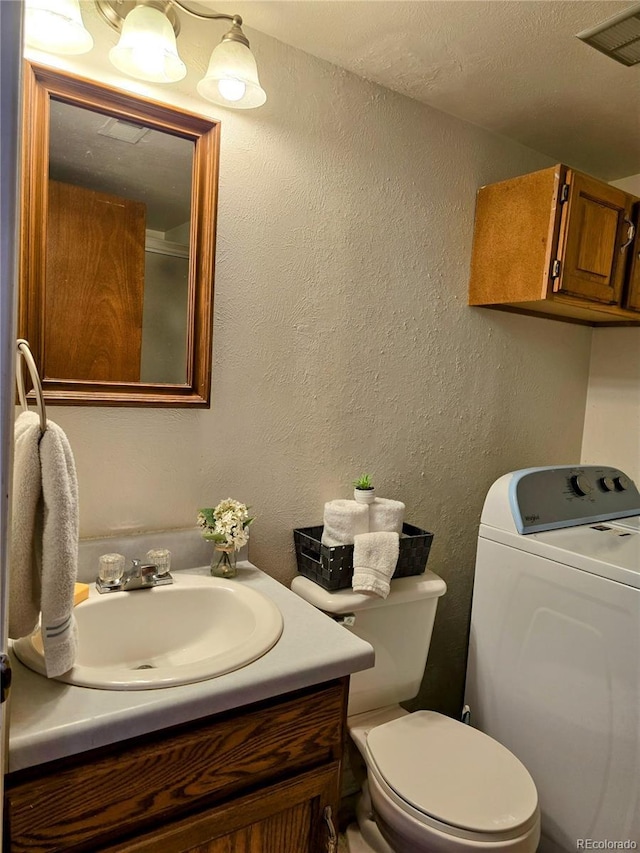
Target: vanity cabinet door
pixel 284 818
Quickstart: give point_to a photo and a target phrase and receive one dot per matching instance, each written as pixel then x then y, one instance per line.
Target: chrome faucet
pixel 139 576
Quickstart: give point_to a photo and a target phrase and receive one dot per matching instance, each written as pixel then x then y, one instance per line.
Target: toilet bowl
pixel 434 785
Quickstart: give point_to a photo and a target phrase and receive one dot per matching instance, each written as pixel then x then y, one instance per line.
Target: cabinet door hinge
pixel 556 266
pixel 564 193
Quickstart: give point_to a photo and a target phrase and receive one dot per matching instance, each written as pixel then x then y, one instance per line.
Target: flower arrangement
pixel 227 524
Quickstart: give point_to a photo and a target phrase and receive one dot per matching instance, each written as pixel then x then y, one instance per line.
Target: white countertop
pixel 50 720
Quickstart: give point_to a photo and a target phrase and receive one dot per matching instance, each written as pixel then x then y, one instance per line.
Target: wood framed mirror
pixel 118 225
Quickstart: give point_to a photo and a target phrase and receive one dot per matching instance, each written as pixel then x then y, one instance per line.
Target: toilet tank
pixel 398 627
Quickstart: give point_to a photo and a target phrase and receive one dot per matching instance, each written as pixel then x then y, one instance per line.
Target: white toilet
pixel 435 785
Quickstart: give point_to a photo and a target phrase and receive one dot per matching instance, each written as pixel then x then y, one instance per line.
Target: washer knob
pixel 608 484
pixel 621 483
pixel 581 485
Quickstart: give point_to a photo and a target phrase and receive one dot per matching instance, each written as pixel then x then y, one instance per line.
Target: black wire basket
pixel 332 567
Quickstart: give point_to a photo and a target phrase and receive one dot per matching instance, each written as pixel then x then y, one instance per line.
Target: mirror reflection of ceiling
pixel 156 169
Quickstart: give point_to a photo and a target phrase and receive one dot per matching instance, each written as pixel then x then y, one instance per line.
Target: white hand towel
pixel 24 577
pixel 375 556
pixel 44 557
pixel 385 514
pixel 59 551
pixel 343 521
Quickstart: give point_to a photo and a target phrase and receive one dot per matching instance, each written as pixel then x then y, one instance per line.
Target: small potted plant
pixel 363 490
pixel 227 526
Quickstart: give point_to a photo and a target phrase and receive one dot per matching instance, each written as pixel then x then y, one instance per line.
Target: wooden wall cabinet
pixel 558 243
pixel 259 779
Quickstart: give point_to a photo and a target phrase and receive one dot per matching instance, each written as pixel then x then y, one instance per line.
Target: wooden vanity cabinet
pixel 560 244
pixel 257 780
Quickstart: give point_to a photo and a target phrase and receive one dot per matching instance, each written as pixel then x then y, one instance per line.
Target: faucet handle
pixel 140 575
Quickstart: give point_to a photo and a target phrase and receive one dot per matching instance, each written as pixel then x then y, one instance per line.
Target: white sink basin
pixel 195 629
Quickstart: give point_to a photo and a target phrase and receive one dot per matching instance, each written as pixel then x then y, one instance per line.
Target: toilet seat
pixel 452 778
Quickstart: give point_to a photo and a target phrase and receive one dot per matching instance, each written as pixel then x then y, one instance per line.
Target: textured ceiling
pixel 513 67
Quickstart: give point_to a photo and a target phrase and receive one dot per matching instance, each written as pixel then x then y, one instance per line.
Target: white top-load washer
pixel 554 651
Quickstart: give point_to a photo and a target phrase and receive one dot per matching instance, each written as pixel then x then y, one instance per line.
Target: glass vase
pixel 223 562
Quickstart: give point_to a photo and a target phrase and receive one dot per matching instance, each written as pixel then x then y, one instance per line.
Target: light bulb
pixel 231 89
pixel 146 59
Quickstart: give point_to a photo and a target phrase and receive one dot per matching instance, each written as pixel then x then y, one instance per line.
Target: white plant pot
pixel 364 496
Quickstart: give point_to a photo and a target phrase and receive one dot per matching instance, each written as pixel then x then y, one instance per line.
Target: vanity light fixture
pixel 56 26
pixel 147 48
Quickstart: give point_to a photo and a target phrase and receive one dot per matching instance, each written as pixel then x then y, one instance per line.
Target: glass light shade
pixel 56 26
pixel 232 78
pixel 147 48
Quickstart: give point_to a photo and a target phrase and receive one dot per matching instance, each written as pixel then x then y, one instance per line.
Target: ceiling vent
pixel 124 131
pixel 619 37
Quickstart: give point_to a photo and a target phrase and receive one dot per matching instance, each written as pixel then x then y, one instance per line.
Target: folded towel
pixel 344 520
pixel 387 515
pixel 44 557
pixel 375 556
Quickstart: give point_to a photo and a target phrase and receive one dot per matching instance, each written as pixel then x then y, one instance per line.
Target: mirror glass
pixel 116 173
pixel 119 230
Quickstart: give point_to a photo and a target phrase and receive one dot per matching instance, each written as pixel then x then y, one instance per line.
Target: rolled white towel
pixel 375 556
pixel 343 521
pixel 387 515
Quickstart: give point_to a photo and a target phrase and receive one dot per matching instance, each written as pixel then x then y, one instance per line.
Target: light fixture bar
pixel 234 34
pixel 114 12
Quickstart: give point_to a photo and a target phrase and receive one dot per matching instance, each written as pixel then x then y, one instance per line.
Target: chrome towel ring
pixel 24 350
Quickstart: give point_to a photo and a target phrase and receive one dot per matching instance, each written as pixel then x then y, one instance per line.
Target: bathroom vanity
pixel 247 761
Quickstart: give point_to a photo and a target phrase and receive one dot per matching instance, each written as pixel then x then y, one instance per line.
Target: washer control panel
pixel 566 496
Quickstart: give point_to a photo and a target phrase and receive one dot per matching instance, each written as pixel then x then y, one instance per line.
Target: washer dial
pixel 581 485
pixel 621 483
pixel 608 484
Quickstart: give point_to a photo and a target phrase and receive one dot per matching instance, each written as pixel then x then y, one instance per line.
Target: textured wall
pixel 342 339
pixel 612 420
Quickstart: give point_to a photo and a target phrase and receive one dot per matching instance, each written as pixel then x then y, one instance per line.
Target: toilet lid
pixel 453 773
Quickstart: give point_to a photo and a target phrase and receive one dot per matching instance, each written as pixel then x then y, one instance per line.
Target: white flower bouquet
pixel 227 524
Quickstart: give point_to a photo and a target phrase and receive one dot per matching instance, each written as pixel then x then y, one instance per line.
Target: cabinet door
pixel 632 296
pixel 284 818
pixel 595 220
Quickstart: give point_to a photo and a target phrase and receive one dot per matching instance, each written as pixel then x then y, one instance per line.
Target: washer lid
pixel 453 773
